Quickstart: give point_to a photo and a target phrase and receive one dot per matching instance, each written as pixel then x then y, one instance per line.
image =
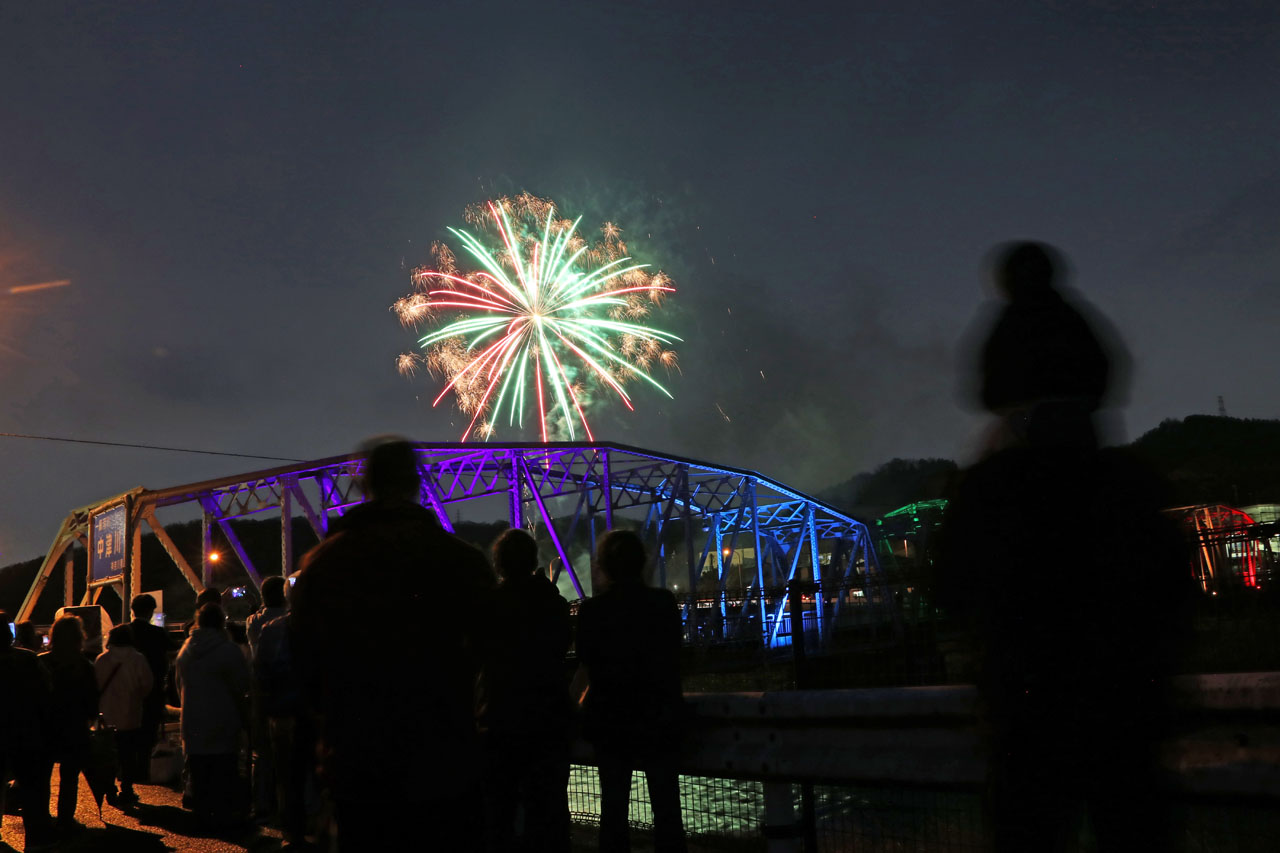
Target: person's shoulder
pixel 460 548
pixel 660 596
pixel 318 558
pixel 466 557
pixel 28 662
pixel 25 657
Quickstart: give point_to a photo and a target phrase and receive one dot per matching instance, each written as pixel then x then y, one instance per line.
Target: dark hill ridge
pixel 1210 459
pixel 1207 459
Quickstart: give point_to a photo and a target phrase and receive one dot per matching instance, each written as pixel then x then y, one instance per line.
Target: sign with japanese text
pixel 106 545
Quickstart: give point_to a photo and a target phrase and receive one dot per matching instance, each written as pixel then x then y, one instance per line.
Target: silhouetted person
pixel 74 707
pixel 290 735
pixel 273 605
pixel 23 746
pixel 628 644
pixel 152 642
pixel 264 784
pixel 214 681
pixel 1073 583
pixel 208 595
pixel 396 706
pixel 27 637
pixel 1046 367
pixel 524 708
pixel 124 683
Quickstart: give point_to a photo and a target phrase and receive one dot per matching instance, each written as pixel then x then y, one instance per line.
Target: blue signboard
pixel 106 547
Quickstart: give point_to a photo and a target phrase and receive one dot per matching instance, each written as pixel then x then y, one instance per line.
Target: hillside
pixel 1211 459
pixel 1206 459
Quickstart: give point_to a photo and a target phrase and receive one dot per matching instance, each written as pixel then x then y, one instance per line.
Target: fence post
pixel 795 611
pixel 781 832
pixel 795 607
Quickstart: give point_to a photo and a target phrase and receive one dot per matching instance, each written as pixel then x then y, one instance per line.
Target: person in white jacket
pixel 213 678
pixel 124 680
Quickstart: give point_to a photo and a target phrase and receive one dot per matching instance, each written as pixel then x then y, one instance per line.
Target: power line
pixel 148 447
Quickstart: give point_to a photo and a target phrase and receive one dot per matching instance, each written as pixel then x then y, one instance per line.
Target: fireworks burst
pixel 547 319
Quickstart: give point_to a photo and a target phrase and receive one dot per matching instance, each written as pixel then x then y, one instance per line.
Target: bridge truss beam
pixel 571 490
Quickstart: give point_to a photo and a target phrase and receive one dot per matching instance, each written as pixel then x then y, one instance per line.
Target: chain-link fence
pixel 727 814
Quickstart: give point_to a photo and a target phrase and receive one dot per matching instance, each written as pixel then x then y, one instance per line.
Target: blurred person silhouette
pixel 524 709
pixel 124 682
pixel 395 708
pixel 27 637
pixel 213 679
pixel 74 707
pixel 1072 582
pixel 1048 364
pixel 23 744
pixel 628 645
pixel 152 642
pixel 290 736
pixel 264 783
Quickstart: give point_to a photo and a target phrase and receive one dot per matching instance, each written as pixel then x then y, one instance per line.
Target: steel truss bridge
pixel 724 521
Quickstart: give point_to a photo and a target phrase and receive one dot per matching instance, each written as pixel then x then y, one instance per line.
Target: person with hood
pixel 524 709
pixel 396 707
pixel 628 645
pixel 213 679
pixel 22 742
pixel 124 681
pixel 74 708
pixel 208 595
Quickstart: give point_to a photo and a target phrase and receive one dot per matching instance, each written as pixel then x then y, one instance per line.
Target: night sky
pixel 237 191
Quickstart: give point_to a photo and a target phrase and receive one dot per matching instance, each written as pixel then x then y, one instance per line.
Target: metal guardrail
pixel 861 748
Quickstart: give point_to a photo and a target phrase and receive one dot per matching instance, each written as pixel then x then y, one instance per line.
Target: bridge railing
pixel 903 768
pixel 887 629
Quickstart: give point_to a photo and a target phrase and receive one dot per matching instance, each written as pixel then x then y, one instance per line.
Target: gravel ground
pixel 159 823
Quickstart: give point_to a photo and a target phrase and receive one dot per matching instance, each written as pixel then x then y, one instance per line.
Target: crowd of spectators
pixel 453 722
